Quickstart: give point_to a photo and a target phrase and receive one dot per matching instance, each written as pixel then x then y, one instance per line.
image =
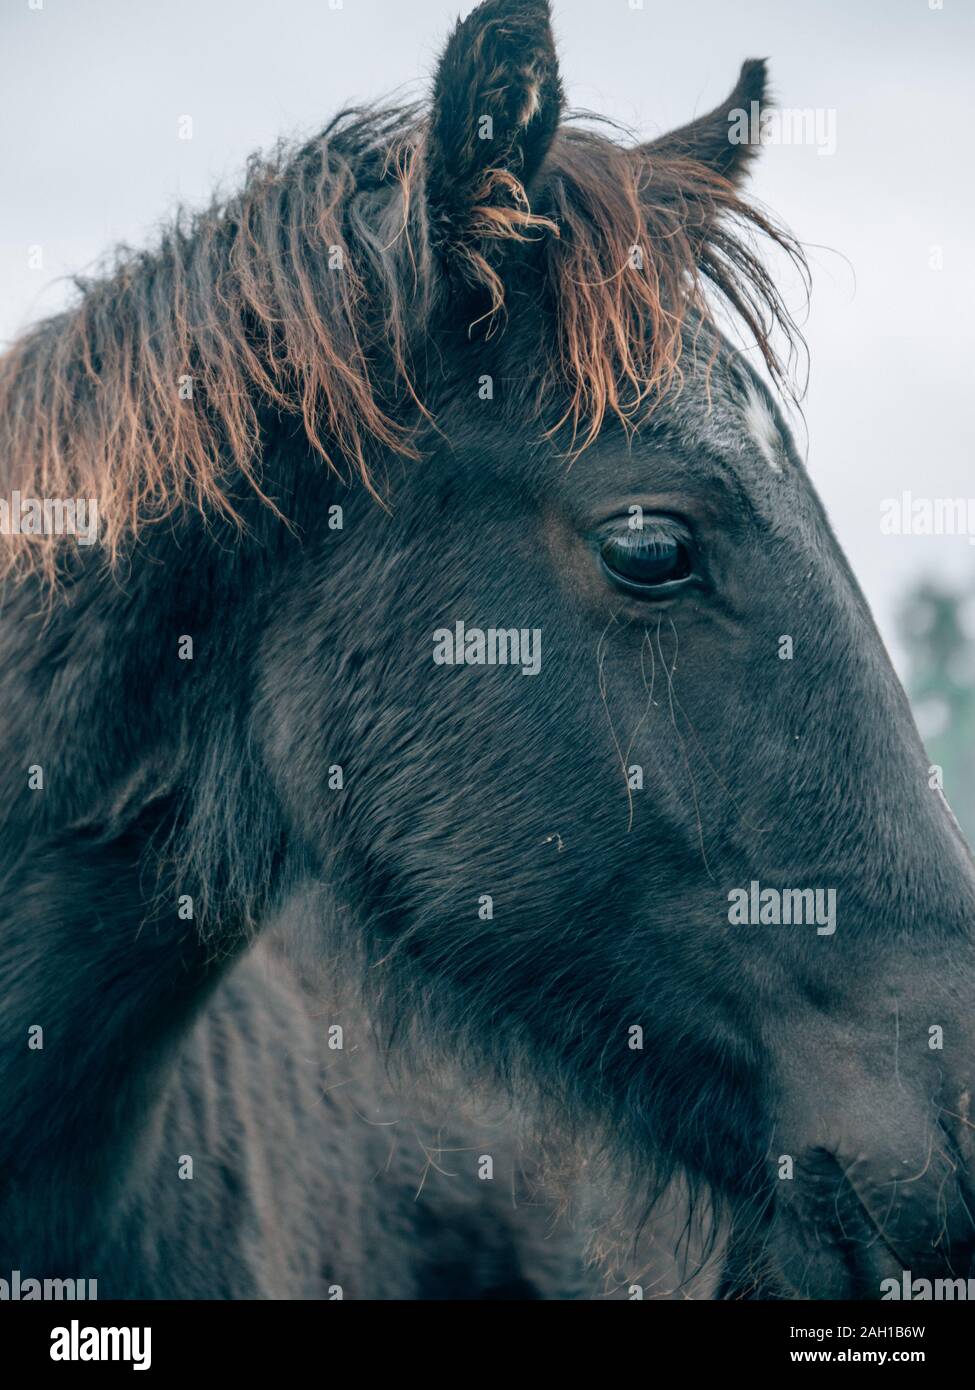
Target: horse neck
pixel 94 950
pixel 114 990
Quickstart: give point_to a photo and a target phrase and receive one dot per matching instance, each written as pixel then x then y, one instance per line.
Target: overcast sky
pixel 92 92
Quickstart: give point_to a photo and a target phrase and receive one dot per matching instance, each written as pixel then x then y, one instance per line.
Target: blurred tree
pixel 937 625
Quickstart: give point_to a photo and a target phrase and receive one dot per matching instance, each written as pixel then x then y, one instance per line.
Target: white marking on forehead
pixel 763 430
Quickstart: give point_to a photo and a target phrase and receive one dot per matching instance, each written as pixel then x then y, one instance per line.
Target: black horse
pixel 463 835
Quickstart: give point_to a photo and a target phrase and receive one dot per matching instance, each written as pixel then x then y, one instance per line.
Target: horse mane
pixel 302 293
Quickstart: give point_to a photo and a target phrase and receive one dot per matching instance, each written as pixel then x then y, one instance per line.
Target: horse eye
pixel 651 561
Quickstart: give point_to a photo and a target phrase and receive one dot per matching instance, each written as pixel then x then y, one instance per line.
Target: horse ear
pixel 726 139
pixel 497 100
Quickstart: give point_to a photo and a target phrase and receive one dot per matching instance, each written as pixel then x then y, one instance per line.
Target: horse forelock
pixel 307 292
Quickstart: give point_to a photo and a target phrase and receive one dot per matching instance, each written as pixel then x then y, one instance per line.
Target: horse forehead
pixel 728 420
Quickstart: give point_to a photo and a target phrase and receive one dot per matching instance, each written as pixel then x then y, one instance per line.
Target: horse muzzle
pixel 874 1196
